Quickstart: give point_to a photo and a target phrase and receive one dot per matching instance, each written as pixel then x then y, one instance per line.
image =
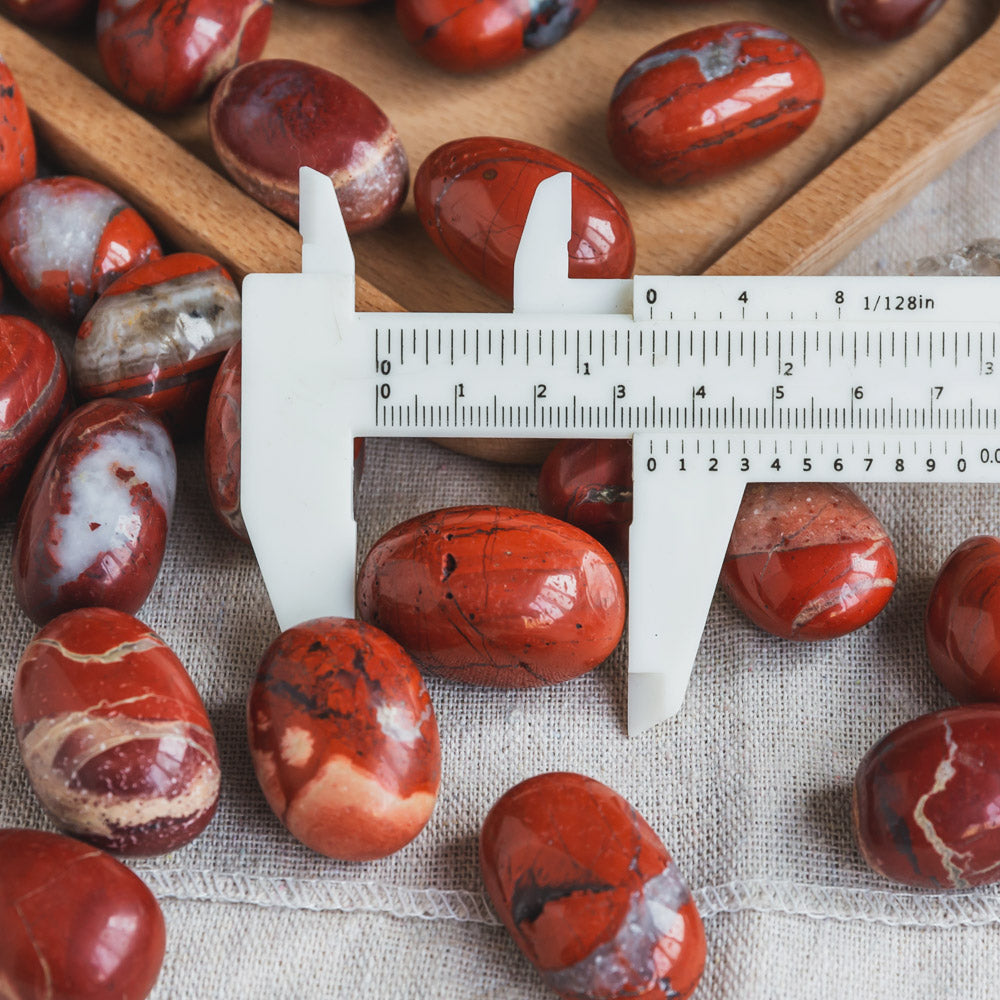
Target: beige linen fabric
pixel 749 786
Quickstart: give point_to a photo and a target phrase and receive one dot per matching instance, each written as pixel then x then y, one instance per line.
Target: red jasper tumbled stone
pixel 495 595
pixel 270 117
pixel 589 892
pixel 808 560
pixel 962 623
pixel 344 739
pixel 469 35
pixel 158 335
pixel 164 55
pixel 472 197
pixel 711 100
pixel 64 240
pixel 32 393
pixel 927 797
pixel 113 734
pixel 75 923
pixel 881 20
pixel 589 484
pixel 18 157
pixel 223 437
pixel 93 524
pixel 48 14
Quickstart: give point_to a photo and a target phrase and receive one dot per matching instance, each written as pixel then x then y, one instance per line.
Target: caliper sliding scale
pixel 719 381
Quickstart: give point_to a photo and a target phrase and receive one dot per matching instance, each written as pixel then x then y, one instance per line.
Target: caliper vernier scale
pixel 719 381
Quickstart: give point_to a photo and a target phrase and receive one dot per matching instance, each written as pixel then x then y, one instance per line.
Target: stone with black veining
pixel 113 734
pixel 712 100
pixel 589 892
pixel 466 36
pixel 495 595
pixel 344 739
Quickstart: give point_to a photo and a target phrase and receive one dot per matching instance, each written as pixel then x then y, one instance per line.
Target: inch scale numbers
pixel 719 381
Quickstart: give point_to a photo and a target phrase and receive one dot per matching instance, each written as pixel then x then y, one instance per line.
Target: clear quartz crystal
pixel 981 258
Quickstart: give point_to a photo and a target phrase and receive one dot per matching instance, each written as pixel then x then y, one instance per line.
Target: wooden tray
pixel 894 116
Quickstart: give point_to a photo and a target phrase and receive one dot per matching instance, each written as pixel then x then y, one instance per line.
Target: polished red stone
pixel 164 55
pixel 158 335
pixel 93 525
pixel 589 892
pixel 18 158
pixel 711 100
pixel 344 739
pixel 493 595
pixel 469 35
pixel 75 923
pixel 473 195
pixel 962 624
pixel 223 437
pixel 881 20
pixel 273 116
pixel 64 240
pixel 589 484
pixel 113 734
pixel 808 560
pixel 927 797
pixel 47 13
pixel 32 394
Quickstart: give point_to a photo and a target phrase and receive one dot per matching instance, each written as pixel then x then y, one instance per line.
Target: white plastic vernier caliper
pixel 719 381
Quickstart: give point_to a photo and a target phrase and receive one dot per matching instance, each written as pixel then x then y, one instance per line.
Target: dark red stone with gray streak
pixel 589 892
pixel 75 923
pixel 808 560
pixel 113 734
pixel 927 798
pixel 495 595
pixel 711 100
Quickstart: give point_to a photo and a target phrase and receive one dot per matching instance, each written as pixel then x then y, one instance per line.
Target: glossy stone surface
pixel 270 117
pixel 962 623
pixel 75 923
pixel 494 595
pixel 469 35
pixel 926 799
pixel 472 197
pixel 32 393
pixel 18 158
pixel 808 560
pixel 589 484
pixel 113 734
pixel 712 100
pixel 344 739
pixel 589 892
pixel 881 20
pixel 223 438
pixel 158 335
pixel 93 525
pixel 164 55
pixel 64 240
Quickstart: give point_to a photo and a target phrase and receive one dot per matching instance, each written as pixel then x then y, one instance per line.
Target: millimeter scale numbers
pixel 719 381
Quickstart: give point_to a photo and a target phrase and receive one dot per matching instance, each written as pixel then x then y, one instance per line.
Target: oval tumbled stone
pixel 589 892
pixel 711 100
pixel 495 595
pixel 472 197
pixel 270 117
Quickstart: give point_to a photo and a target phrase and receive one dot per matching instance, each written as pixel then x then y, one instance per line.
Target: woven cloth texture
pixel 749 786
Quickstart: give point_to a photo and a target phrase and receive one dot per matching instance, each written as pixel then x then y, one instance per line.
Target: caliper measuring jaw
pixel 719 381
